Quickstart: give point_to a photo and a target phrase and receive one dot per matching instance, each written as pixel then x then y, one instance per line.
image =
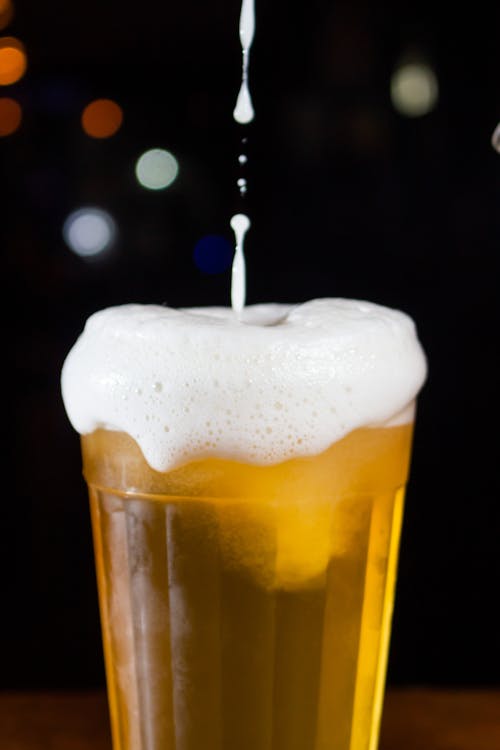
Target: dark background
pixel 347 198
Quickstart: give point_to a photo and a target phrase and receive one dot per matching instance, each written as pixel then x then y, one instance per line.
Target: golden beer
pixel 247 607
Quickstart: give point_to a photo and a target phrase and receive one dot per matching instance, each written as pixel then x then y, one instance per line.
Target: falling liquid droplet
pixel 242 184
pixel 242 158
pixel 240 225
pixel 244 111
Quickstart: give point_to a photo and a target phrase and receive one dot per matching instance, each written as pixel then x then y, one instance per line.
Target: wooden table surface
pixel 414 719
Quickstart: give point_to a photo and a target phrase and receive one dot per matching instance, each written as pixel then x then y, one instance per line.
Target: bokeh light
pixel 13 60
pixel 11 115
pixel 213 254
pixel 156 169
pixel 495 139
pixel 6 13
pixel 414 89
pixel 102 118
pixel 89 231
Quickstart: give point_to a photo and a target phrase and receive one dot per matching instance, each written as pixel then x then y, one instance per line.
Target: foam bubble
pixel 279 382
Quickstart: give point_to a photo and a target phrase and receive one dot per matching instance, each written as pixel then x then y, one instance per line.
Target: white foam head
pixel 279 382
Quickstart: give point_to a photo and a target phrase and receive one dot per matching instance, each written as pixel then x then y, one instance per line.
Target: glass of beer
pixel 246 482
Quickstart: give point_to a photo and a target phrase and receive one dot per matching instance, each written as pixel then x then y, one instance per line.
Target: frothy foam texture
pixel 279 382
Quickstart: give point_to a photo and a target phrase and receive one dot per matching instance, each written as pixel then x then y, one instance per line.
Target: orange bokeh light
pixel 6 13
pixel 13 60
pixel 11 115
pixel 102 118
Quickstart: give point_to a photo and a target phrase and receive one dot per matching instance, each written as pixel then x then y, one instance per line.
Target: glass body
pixel 246 607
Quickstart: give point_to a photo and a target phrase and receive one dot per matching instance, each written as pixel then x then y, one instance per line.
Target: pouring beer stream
pixel 243 114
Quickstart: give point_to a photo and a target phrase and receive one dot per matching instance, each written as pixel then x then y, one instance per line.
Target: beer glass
pixel 247 607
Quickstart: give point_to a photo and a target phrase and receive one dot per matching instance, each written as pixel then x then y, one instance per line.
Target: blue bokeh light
pixel 213 254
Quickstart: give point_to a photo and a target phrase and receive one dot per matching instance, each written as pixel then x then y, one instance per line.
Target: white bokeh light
pixel 495 138
pixel 414 89
pixel 89 231
pixel 156 169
